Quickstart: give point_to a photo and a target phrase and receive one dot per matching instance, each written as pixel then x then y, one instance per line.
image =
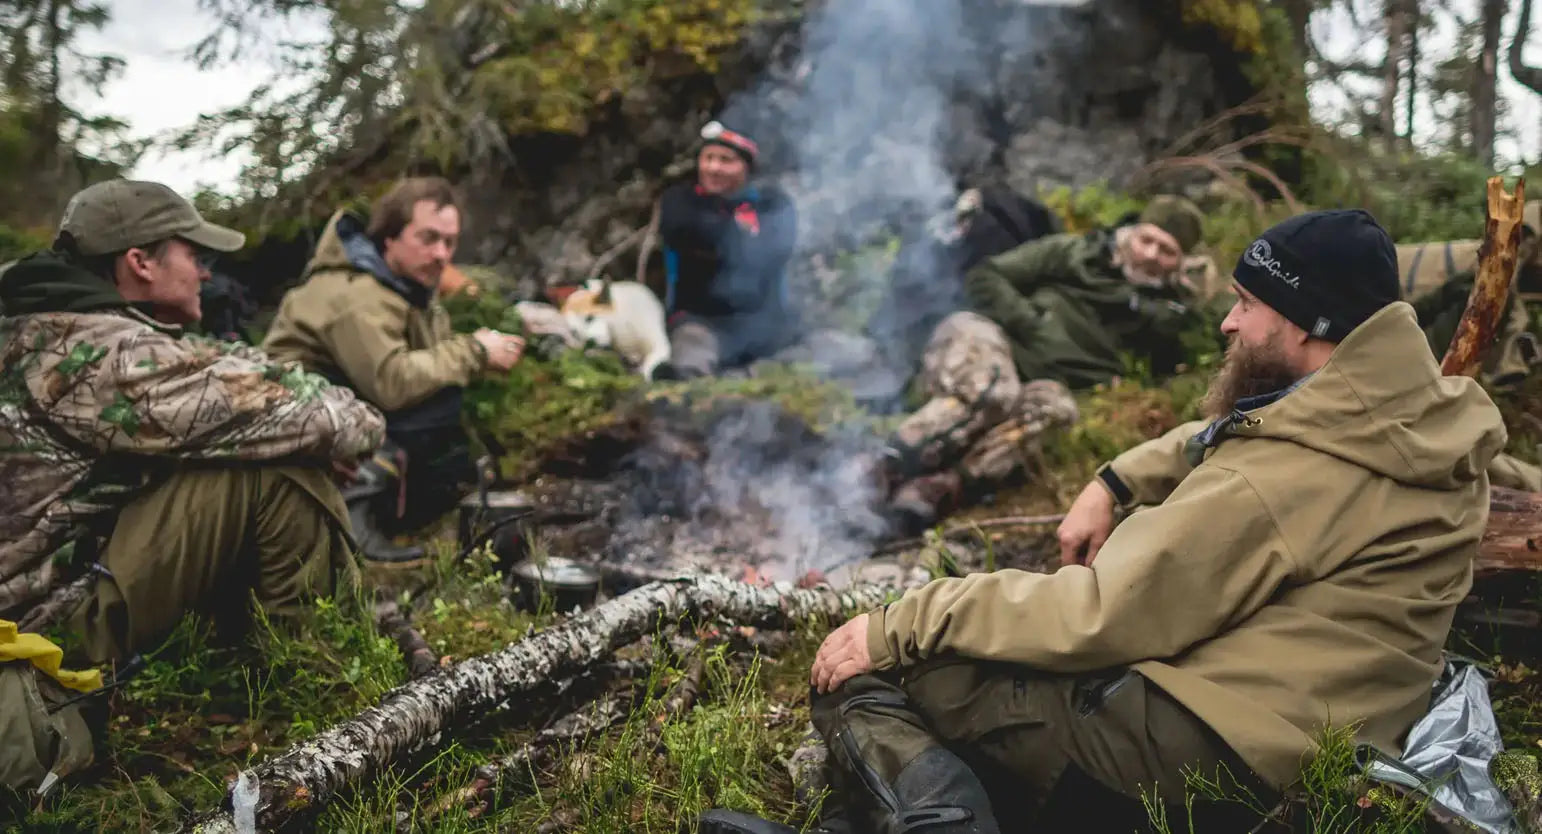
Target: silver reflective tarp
pixel 1447 754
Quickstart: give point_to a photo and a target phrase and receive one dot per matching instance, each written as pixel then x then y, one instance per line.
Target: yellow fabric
pixel 45 656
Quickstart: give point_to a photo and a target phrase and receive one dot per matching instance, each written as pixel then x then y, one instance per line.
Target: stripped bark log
pixel 414 715
pixel 1513 539
pixel 1496 268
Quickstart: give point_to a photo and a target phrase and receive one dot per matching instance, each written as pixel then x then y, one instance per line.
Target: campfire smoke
pixel 750 485
pixel 862 128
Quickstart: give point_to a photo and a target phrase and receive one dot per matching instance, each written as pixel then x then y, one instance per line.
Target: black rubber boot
pixel 375 545
pixel 373 491
pixel 935 793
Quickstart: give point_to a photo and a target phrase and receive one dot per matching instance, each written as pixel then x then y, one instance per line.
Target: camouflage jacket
pixel 98 400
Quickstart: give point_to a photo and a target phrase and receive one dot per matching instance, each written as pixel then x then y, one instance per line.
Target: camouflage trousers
pixel 979 418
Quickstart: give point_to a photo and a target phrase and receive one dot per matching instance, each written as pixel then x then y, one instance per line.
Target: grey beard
pixel 1138 276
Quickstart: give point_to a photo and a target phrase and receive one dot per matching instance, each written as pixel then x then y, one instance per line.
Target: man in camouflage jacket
pixel 149 473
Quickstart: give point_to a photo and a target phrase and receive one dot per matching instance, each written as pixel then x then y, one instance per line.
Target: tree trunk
pixel 414 715
pixel 1485 83
pixel 1298 13
pixel 1395 21
pixel 1415 20
pixel 1531 77
pixel 1496 267
pixel 51 107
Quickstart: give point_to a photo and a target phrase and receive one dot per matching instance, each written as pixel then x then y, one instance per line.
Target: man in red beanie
pixel 726 247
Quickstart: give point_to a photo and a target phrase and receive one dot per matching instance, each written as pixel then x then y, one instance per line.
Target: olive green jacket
pixel 1305 572
pixel 354 322
pixel 1070 312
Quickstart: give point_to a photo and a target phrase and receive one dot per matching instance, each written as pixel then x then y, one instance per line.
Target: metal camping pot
pixel 492 515
pixel 570 583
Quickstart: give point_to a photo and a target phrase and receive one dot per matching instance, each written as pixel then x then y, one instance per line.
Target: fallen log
pixel 1496 266
pixel 304 778
pixel 1512 541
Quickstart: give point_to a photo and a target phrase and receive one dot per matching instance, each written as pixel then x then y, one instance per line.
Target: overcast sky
pixel 161 89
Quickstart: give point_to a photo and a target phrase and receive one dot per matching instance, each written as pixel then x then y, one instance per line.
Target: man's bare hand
pixel 503 349
pixel 842 656
pixel 1087 525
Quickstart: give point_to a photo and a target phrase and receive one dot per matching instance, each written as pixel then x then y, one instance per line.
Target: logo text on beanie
pixel 1261 255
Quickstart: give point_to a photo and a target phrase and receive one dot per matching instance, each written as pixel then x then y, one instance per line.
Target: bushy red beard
pixel 1248 371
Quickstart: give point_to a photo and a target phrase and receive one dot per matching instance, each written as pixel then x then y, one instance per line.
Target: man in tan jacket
pixel 366 315
pixel 1300 568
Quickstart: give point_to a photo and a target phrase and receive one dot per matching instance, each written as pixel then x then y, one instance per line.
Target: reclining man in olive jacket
pixel 366 316
pixel 1301 569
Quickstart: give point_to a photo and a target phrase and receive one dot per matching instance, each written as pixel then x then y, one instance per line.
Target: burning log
pixel 1496 268
pixel 414 715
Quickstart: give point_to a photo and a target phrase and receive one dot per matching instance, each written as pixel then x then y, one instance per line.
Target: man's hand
pixel 1087 525
pixel 842 656
pixel 503 350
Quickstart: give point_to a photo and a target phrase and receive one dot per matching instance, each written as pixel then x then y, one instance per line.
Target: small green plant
pixel 1333 796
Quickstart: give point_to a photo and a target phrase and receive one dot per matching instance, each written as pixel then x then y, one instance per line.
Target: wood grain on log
pixel 1513 539
pixel 1496 268
pixel 415 714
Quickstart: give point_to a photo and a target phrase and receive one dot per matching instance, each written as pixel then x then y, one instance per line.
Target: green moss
pixel 1239 23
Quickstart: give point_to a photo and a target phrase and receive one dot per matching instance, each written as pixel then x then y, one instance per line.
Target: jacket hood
pixel 344 245
pixel 47 283
pixel 1381 402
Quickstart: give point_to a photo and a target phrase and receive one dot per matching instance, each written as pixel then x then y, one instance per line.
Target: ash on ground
pixel 739 484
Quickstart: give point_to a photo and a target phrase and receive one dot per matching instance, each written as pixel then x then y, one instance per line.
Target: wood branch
pixel 1005 521
pixel 958 531
pixel 303 779
pixel 1530 77
pixel 650 240
pixel 477 797
pixel 684 693
pixel 1512 541
pixel 1496 267
pixel 422 660
pixel 636 236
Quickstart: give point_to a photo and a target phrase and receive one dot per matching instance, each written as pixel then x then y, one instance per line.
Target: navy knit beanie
pixel 1325 271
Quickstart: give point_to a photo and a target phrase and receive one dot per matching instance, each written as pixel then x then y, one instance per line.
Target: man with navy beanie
pixel 1326 271
pixel 1297 565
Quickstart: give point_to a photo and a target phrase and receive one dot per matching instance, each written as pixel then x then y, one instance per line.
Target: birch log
pixel 415 715
pixel 1496 267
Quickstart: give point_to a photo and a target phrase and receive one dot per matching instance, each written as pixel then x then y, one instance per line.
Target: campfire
pixel 741 488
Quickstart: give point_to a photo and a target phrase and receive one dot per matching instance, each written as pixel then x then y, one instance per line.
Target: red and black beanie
pixel 714 133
